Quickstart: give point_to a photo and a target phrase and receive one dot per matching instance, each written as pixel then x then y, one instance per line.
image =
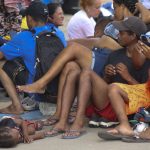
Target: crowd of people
pixel 103 69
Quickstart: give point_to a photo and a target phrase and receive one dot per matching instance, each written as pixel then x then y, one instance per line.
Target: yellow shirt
pixel 24 23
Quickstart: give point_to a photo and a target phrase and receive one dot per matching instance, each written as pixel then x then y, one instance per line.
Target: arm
pixel 145 13
pixel 24 128
pixel 38 135
pixel 1 55
pixel 138 58
pixel 98 42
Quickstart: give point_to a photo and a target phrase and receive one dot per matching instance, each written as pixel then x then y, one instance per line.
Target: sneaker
pixel 97 122
pixel 94 122
pixel 28 103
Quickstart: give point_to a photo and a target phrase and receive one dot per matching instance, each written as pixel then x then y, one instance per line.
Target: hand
pixel 110 70
pixel 144 49
pixel 122 70
pixel 138 58
pixel 27 139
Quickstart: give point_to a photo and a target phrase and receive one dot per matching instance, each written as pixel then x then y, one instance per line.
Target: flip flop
pixel 73 134
pixel 54 132
pixel 135 140
pixel 110 136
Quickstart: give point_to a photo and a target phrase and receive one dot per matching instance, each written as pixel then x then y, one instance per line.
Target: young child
pixel 14 130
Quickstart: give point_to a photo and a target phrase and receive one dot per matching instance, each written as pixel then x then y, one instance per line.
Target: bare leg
pixel 70 67
pixel 67 100
pixel 117 96
pixel 74 52
pixel 90 85
pixel 15 107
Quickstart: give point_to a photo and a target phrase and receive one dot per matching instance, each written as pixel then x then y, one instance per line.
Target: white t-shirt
pixel 80 26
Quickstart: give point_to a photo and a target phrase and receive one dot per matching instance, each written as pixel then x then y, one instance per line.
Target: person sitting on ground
pixel 23 44
pixel 14 130
pixel 82 24
pixel 127 99
pixel 15 107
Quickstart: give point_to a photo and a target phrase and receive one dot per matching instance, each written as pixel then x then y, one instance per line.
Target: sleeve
pixel 12 48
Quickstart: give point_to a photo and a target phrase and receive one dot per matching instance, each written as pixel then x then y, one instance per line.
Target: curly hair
pixel 6 139
pixel 130 4
pixel 84 3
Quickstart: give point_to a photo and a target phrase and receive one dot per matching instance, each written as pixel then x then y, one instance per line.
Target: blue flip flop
pixel 73 134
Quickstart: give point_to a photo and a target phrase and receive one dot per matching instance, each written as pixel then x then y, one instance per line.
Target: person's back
pixel 78 23
pixel 23 44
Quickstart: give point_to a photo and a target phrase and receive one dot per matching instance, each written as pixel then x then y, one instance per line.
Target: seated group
pixel 111 84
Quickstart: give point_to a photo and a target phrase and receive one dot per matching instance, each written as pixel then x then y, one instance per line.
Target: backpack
pixel 16 70
pixel 48 46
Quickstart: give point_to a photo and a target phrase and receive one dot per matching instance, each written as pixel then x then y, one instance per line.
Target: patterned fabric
pixel 139 96
pixel 10 20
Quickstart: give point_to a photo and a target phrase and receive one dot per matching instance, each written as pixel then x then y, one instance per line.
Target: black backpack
pixel 48 46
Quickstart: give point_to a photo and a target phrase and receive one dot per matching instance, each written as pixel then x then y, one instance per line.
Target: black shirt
pixel 119 56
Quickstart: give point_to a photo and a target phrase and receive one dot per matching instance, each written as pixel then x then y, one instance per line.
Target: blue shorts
pixel 99 59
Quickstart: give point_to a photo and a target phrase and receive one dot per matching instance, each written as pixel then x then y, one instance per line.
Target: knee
pixel 112 89
pixel 73 48
pixel 73 75
pixel 70 66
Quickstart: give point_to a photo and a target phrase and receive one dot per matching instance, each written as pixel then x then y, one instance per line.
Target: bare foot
pixel 31 88
pixel 123 130
pixel 60 126
pixel 12 110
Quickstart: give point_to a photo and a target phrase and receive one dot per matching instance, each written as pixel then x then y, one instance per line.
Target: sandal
pixel 73 134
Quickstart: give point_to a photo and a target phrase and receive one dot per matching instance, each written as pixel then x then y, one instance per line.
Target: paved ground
pixel 90 141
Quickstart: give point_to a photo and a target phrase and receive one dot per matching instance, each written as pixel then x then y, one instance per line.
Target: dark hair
pixel 6 139
pixel 52 8
pixel 38 11
pixel 130 4
pixel 103 21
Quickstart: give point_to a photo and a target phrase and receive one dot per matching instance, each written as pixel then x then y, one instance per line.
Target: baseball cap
pixel 133 24
pixel 37 9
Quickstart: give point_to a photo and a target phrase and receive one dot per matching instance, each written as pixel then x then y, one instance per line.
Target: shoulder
pixel 80 15
pixel 23 34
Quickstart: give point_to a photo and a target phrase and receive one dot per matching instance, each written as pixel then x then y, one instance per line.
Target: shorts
pixel 99 59
pixel 107 112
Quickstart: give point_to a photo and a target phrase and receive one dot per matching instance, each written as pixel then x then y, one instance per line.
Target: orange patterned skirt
pixel 139 96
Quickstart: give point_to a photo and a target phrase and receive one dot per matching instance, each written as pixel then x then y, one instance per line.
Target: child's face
pixel 16 135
